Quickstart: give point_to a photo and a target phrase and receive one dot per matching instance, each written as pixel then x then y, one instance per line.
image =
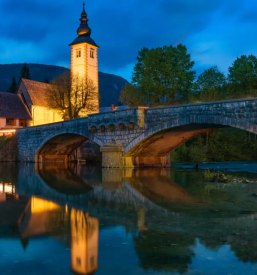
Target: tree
pixel 130 96
pixel 210 84
pixel 161 75
pixel 25 72
pixel 72 97
pixel 155 253
pixel 243 76
pixel 13 86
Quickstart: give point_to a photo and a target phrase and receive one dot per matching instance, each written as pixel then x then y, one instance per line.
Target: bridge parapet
pixel 228 112
pixel 135 116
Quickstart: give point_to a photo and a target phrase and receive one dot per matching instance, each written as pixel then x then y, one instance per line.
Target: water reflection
pixel 170 218
pixel 84 242
pixel 42 217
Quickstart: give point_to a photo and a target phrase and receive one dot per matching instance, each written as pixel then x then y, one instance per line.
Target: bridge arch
pixel 154 145
pixel 59 146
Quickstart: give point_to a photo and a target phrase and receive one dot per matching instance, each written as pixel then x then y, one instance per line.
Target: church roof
pixel 37 91
pixel 84 39
pixel 12 106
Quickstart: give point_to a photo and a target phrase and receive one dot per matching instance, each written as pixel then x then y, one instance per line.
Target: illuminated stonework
pixel 84 60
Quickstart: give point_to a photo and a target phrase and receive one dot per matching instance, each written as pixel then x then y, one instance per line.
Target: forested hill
pixel 110 85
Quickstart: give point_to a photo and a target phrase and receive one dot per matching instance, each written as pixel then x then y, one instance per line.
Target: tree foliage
pixel 13 86
pixel 72 97
pixel 25 72
pixel 210 85
pixel 130 96
pixel 228 144
pixel 243 76
pixel 160 76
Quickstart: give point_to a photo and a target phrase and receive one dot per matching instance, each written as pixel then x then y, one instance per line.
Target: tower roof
pixel 84 31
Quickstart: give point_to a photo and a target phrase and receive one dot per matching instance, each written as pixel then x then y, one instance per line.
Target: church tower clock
pixel 84 61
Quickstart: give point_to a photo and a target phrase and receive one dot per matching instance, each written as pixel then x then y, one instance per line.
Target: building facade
pixel 33 96
pixel 14 114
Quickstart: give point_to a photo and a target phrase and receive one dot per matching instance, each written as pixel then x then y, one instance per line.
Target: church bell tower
pixel 84 60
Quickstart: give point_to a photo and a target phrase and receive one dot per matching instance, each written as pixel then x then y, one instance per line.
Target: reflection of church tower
pixel 84 242
pixel 84 59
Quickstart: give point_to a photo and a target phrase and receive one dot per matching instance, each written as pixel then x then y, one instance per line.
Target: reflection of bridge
pixel 137 136
pixel 111 191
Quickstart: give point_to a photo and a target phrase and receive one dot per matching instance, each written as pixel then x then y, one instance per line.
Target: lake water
pixel 79 219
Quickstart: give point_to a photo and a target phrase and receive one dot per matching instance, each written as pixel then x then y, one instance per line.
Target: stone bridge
pixel 136 136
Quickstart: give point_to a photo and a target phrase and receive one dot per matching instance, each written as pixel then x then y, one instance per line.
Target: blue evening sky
pixel 215 32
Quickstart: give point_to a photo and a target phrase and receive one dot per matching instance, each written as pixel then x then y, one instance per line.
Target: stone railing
pixel 233 109
pixel 114 118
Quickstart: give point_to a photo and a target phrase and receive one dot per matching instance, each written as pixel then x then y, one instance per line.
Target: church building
pixel 84 66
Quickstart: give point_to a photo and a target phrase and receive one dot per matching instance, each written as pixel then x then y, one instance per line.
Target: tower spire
pixel 84 28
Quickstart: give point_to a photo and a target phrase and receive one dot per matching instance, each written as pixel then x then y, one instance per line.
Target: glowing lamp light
pixel 8 189
pixel 7 132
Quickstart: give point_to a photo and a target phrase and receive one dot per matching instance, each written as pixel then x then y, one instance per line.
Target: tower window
pixel 78 53
pixel 78 262
pixel 92 53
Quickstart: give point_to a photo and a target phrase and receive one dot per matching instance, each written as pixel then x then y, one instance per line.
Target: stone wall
pixel 9 152
pixel 241 113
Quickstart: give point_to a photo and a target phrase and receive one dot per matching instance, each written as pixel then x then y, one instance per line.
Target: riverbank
pixel 225 166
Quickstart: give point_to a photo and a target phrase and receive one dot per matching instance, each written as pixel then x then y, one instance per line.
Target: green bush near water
pixel 228 144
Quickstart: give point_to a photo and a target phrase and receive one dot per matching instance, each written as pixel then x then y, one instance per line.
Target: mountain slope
pixel 110 85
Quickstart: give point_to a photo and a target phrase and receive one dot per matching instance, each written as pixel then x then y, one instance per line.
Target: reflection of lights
pixel 39 205
pixel 84 242
pixel 7 188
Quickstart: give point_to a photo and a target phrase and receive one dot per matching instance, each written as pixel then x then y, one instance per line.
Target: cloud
pixel 40 31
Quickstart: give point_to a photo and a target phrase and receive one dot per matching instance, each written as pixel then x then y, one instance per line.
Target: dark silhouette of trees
pixel 13 86
pixel 25 73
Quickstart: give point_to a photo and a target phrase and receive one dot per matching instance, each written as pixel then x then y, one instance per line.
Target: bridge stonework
pixel 135 136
